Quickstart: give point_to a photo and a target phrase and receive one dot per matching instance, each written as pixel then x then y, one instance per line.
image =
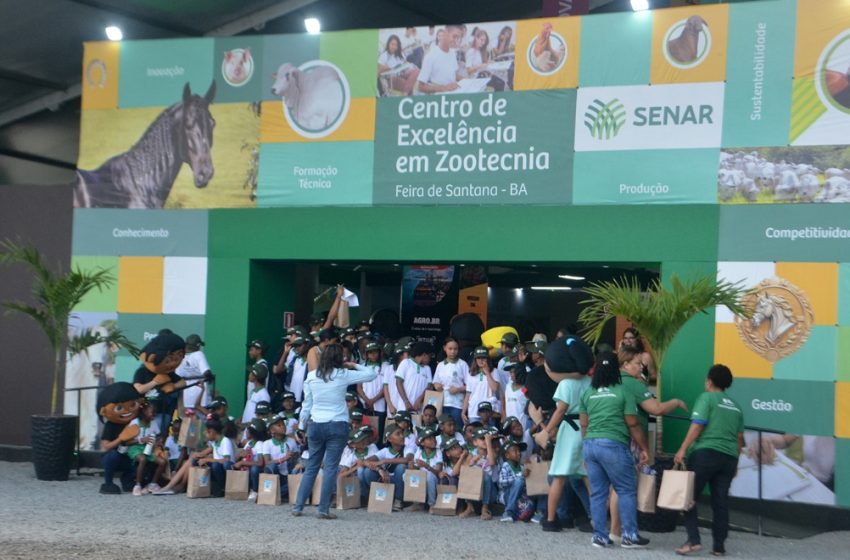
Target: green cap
pixel 510 442
pixel 537 346
pixel 485 405
pixel 277 418
pixel 372 346
pixel 510 339
pixel 425 434
pixel 402 415
pixel 356 415
pixel 481 352
pixel 448 443
pixel 218 401
pixel 512 351
pixel 194 342
pixel 480 432
pixel 260 371
pixel 258 425
pixel 350 396
pixel 445 418
pixel 389 348
pixel 364 432
pixel 506 425
pixel 263 407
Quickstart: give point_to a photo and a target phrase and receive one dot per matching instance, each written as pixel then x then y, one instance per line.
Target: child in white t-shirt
pixel 251 456
pixel 454 454
pixel 481 384
pixel 450 378
pixel 428 459
pixel 357 455
pixel 391 465
pixel 448 430
pixel 258 393
pixel 141 452
pixel 219 455
pixel 413 377
pixel 176 454
pixel 484 459
pixel 514 401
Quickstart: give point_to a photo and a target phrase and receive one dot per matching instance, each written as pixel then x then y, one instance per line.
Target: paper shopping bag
pixel 348 493
pixel 293 481
pixel 199 483
pixel 677 490
pixel 381 498
pixel 190 433
pixel 236 485
pixel 646 492
pixel 269 491
pixel 537 483
pixel 470 483
pixel 435 399
pixel 415 486
pixel 446 500
pixel 316 496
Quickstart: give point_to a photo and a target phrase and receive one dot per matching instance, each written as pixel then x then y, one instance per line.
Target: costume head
pixel 118 403
pixel 161 356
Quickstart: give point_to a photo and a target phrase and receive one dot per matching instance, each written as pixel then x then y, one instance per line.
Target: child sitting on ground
pixel 513 428
pixel 251 456
pixel 484 459
pixel 454 455
pixel 391 465
pixel 430 460
pixel 485 414
pixel 176 454
pixel 469 436
pixel 219 455
pixel 448 430
pixel 429 419
pixel 357 455
pixel 142 451
pixel 512 479
pixel 277 451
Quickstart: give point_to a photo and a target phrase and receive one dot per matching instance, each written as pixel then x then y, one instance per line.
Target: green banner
pixel 615 49
pixel 507 148
pixel 154 73
pixel 785 232
pixel 104 231
pixel 790 406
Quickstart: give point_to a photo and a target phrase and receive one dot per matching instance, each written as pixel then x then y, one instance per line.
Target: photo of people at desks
pixel 446 59
pixel 794 468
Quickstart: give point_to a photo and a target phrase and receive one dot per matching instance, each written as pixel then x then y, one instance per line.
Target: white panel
pixel 750 272
pixel 184 290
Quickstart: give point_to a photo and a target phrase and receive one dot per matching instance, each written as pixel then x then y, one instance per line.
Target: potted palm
pixel 55 294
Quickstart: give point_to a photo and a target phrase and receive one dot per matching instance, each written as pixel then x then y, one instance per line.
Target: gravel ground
pixel 63 520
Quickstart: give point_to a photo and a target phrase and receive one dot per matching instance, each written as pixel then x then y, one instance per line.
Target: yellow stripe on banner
pixel 359 124
pixel 806 107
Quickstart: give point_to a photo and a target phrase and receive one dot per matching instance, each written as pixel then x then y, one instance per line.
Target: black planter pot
pixel 53 439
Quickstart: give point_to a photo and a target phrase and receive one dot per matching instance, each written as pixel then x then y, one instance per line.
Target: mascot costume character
pixel 117 404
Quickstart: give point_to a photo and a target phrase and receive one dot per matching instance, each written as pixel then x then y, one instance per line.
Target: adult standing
pixel 714 439
pixel 325 416
pixel 608 414
pixel 633 341
pixel 193 368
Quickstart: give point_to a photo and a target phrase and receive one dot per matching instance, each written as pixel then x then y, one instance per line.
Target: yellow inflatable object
pixel 492 339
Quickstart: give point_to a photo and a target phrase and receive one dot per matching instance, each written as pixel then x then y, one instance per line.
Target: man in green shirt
pixel 715 439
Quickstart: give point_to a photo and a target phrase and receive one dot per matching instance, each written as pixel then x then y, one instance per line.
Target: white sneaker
pixel 506 519
pixel 137 490
pixel 153 487
pixel 252 497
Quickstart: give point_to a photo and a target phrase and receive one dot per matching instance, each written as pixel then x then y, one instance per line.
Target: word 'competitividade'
pixel 812 232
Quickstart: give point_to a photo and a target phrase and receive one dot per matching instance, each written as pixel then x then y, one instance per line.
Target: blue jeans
pixel 512 495
pixel 217 475
pixel 396 478
pixel 431 488
pixel 113 461
pixel 254 478
pixel 456 414
pixel 326 441
pixel 363 477
pixel 610 463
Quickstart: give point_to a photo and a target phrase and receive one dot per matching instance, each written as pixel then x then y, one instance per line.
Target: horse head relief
pixel 143 176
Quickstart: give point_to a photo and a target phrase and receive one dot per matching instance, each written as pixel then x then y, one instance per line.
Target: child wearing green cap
pixel 512 479
pixel 454 454
pixel 277 451
pixel 357 456
pixel 257 378
pixel 448 430
pixel 251 456
pixel 391 465
pixel 429 459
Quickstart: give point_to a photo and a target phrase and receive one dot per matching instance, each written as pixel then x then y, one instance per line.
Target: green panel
pixel 844 294
pixel 106 231
pixel 106 300
pixel 353 52
pixel 545 233
pixel 757 106
pixel 153 73
pixel 789 406
pixel 646 177
pixel 842 370
pixel 690 355
pixel 125 368
pixel 501 148
pixel 282 49
pixel 288 174
pixel 842 472
pixel 142 327
pixel 228 289
pixel 784 232
pixel 814 361
pixel 615 49
pixel 237 67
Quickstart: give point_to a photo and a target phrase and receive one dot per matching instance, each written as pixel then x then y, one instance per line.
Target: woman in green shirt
pixel 715 439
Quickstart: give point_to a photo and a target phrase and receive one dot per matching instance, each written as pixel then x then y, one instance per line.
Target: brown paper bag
pixel 434 398
pixel 348 493
pixel 446 500
pixel 199 483
pixel 381 498
pixel 316 496
pixel 415 486
pixel 293 481
pixel 470 483
pixel 236 485
pixel 372 422
pixel 269 490
pixel 677 490
pixel 190 433
pixel 646 492
pixel 537 483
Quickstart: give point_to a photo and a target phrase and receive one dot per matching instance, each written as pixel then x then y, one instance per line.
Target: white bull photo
pixel 314 97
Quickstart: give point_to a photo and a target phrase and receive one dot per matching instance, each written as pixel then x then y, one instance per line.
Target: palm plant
pixel 56 294
pixel 658 313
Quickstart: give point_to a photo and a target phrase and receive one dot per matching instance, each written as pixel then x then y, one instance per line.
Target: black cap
pixel 218 401
pixel 510 339
pixel 288 395
pixel 485 405
pixel 263 407
pixel 481 352
pixel 356 415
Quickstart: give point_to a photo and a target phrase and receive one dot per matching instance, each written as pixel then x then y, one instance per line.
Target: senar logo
pixel 604 120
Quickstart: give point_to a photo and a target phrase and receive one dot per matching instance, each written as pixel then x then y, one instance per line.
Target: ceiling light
pixel 313 26
pixel 113 33
pixel 570 277
pixel 640 5
pixel 552 288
